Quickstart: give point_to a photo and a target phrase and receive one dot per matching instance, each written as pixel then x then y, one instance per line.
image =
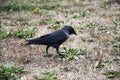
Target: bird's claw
pixel 61 55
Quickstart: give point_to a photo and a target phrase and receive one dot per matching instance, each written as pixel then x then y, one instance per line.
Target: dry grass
pixel 103 13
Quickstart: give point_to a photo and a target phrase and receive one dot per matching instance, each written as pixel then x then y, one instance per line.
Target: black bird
pixel 54 39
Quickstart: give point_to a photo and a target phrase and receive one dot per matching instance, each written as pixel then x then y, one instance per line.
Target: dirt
pixel 13 50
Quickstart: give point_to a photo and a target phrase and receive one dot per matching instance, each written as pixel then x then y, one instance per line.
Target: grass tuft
pixel 56 24
pixel 112 74
pixel 72 53
pixel 48 76
pixel 10 72
pixel 16 5
pixel 80 14
pixel 117 21
pixel 20 21
pixel 21 33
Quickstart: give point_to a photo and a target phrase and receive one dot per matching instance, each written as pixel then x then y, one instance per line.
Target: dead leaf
pixel 98 59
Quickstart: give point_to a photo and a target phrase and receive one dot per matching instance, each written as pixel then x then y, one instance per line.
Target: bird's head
pixel 69 30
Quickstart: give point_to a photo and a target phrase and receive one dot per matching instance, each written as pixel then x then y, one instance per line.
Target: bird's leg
pixel 57 49
pixel 47 55
pixel 47 50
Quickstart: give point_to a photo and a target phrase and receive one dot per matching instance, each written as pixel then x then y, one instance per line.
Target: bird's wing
pixel 56 37
pixel 36 41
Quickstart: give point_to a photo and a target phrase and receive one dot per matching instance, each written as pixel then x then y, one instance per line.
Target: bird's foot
pixel 61 56
pixel 48 55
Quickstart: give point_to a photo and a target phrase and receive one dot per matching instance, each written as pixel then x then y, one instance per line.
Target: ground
pixel 97 23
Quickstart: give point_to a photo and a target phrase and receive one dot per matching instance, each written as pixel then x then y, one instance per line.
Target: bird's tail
pixel 32 41
pixel 29 42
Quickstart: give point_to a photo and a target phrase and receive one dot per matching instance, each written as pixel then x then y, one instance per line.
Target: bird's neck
pixel 66 32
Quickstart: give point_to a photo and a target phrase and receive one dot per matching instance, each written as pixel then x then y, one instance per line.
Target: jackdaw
pixel 54 39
